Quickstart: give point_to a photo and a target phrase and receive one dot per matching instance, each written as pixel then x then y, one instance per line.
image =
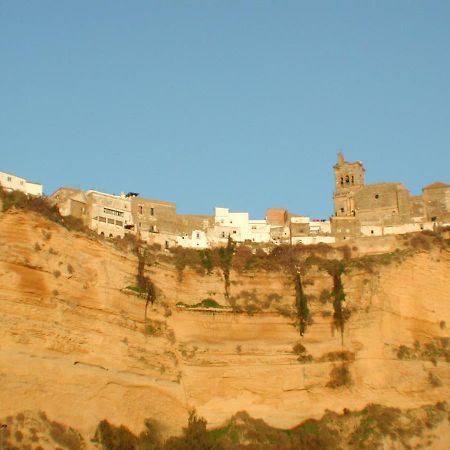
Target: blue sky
pixel 242 104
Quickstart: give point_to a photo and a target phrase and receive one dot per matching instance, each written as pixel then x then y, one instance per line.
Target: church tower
pixel 349 178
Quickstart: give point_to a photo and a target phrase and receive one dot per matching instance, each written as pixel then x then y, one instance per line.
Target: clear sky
pixel 234 103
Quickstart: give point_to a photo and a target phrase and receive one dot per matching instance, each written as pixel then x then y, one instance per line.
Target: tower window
pixel 152 211
pixel 342 180
pixel 347 179
pixel 342 209
pixel 353 179
pixel 377 196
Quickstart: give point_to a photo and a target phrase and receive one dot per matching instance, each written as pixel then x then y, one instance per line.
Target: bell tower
pixel 349 178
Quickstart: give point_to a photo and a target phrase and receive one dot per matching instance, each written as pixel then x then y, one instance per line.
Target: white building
pixel 238 226
pixel 197 239
pixel 307 232
pixel 12 182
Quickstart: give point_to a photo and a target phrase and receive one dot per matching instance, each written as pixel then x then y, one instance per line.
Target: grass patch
pixel 207 303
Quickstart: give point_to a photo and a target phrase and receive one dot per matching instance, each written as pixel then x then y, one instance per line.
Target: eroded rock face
pixel 73 341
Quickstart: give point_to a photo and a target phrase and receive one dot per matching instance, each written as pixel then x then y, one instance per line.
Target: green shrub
pixel 136 289
pixel 205 303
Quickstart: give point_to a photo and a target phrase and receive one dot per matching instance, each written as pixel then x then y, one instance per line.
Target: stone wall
pixel 153 215
pixel 187 223
pixel 384 202
pixel 437 200
pixel 345 227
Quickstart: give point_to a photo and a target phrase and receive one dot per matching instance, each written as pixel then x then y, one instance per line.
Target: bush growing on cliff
pixel 339 376
pixel 195 436
pixel 115 438
pixel 303 356
pixel 365 429
pixel 66 436
pixel 42 206
pixel 184 257
pixel 340 355
pixel 434 350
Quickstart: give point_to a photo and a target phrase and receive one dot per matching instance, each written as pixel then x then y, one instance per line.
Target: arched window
pixel 353 179
pixel 347 179
pixel 342 180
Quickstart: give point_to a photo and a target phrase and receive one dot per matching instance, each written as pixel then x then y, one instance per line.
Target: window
pixel 342 209
pixel 167 244
pixel 347 179
pixel 119 222
pixel 102 219
pixel 371 231
pixel 111 221
pixel 9 178
pixel 353 179
pixel 377 196
pixel 152 211
pixel 198 235
pixel 141 209
pixel 113 212
pixel 234 231
pixel 342 180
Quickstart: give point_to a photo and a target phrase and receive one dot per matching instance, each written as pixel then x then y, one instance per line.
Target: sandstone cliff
pixel 75 342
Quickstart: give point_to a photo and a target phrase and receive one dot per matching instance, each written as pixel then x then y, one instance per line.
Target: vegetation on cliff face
pixel 373 427
pixel 144 284
pixel 438 349
pixel 301 303
pixel 340 315
pixel 42 206
pixel 225 259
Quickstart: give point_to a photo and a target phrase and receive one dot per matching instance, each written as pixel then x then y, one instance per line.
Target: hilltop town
pixel 360 210
pixel 102 337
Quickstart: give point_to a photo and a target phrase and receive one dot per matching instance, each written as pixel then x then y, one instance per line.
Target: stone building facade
pixel 383 208
pixel 360 209
pixel 153 221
